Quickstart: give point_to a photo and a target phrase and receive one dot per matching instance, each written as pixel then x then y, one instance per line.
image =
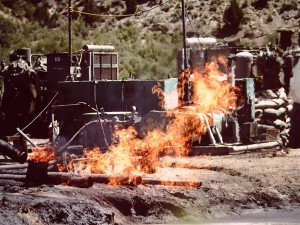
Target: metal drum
pixel 243 63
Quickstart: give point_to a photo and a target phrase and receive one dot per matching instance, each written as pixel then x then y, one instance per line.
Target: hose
pixel 61 149
pixel 38 114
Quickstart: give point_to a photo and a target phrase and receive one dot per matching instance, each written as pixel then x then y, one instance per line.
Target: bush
pixel 7 32
pixel 287 6
pixel 260 4
pixel 90 7
pixel 269 18
pixel 42 15
pixel 131 6
pixel 233 16
pixel 271 38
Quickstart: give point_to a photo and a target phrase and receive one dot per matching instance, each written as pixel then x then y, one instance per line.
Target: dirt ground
pixel 236 184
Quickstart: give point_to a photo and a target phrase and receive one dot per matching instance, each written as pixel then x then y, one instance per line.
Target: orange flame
pixel 133 155
pixel 42 154
pixel 160 93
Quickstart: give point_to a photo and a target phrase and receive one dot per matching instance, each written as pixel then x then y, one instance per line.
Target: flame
pixel 211 90
pixel 133 155
pixel 160 94
pixel 42 154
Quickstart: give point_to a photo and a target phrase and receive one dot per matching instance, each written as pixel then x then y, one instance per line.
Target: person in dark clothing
pixel 294 135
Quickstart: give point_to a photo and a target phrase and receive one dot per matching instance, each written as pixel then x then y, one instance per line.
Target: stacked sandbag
pixel 272 111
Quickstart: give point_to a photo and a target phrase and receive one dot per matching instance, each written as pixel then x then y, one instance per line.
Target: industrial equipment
pixel 88 103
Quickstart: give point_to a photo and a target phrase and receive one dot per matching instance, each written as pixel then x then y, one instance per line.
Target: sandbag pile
pixel 272 111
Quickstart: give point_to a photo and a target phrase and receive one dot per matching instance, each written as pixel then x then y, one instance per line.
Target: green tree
pixel 260 4
pixel 131 6
pixel 233 16
pixel 42 15
pixel 90 7
pixel 7 32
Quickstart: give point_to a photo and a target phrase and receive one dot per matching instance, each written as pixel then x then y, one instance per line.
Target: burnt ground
pixel 237 184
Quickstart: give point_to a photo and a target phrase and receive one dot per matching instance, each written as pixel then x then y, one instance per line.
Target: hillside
pixel 146 42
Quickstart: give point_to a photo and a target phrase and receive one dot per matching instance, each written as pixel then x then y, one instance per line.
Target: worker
pixel 2 67
pixel 287 68
pixel 294 135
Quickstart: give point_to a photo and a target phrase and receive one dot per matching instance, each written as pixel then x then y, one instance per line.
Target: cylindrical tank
pixel 99 48
pixel 199 40
pixel 13 153
pixel 243 63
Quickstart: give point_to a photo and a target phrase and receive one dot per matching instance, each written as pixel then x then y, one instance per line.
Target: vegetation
pixel 143 56
pixel 260 4
pixel 90 6
pixel 287 6
pixel 143 53
pixel 131 6
pixel 233 16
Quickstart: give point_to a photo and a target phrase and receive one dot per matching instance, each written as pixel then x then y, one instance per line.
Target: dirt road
pixel 254 183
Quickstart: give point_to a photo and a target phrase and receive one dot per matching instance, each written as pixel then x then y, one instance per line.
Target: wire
pixel 139 13
pixel 95 102
pixel 39 113
pixel 60 150
pixel 104 15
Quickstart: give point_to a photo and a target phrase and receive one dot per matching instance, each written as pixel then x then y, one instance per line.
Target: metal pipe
pixel 219 136
pixel 13 153
pixel 13 167
pixel 26 137
pixel 70 35
pixel 184 34
pixel 257 146
pixel 211 136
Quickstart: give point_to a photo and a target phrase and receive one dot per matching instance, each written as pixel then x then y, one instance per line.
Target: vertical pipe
pixel 111 69
pixel 211 136
pixel 70 35
pixel 184 34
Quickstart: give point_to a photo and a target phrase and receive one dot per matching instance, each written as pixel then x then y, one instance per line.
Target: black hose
pixel 13 153
pixel 61 149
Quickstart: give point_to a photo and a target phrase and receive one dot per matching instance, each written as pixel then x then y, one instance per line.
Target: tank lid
pixel 244 54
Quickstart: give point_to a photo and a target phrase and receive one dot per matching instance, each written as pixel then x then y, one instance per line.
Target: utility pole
pixel 186 87
pixel 70 35
pixel 184 34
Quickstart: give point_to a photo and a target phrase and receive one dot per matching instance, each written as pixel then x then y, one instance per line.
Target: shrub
pixel 41 14
pixel 287 6
pixel 90 7
pixel 131 6
pixel 245 4
pixel 233 15
pixel 213 7
pixel 7 32
pixel 271 38
pixel 260 4
pixel 269 18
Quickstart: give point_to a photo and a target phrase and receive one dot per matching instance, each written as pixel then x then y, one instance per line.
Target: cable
pixel 139 13
pixel 38 114
pixel 103 15
pixel 102 128
pixel 95 102
pixel 60 150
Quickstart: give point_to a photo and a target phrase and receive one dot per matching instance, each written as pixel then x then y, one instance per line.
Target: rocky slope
pixel 204 18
